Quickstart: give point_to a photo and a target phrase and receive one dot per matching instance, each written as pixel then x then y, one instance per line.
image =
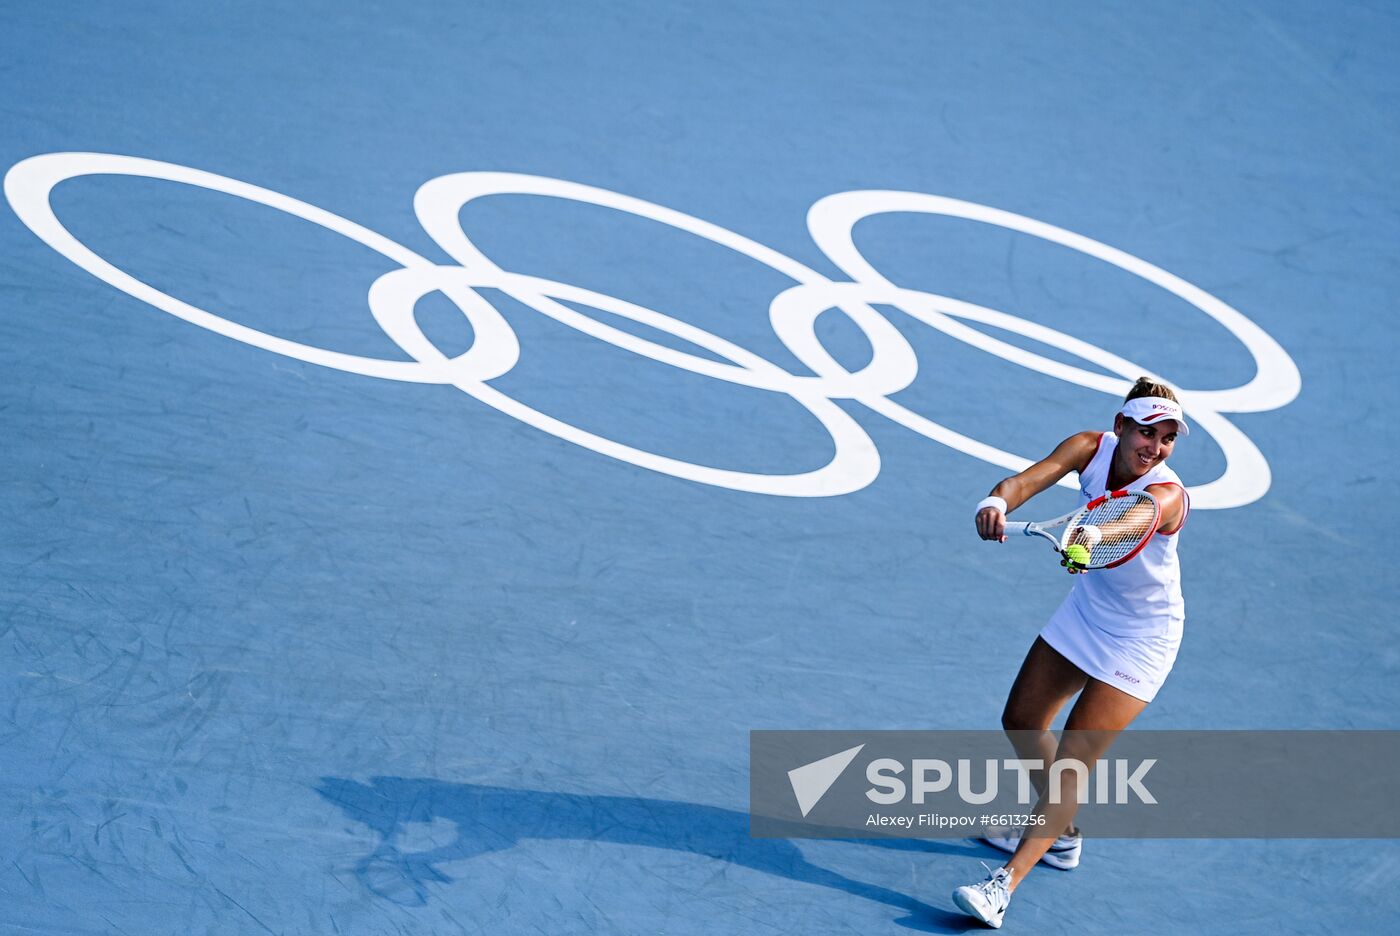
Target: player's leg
pixel 1047 681
pixel 1101 712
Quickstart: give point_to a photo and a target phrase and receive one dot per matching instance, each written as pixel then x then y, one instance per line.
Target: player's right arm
pixel 1073 454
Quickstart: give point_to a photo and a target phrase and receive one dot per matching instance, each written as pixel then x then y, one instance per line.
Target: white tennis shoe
pixel 1063 853
pixel 986 901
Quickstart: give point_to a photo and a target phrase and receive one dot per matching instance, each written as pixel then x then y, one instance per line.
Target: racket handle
pixel 1017 526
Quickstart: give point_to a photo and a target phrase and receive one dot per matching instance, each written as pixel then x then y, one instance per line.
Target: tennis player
pixel 1112 641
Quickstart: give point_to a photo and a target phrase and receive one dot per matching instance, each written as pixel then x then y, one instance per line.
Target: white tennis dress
pixel 1123 626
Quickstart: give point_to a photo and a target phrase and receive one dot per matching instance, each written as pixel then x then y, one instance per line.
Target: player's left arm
pixel 1171 499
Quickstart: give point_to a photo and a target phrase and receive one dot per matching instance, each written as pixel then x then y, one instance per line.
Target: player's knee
pixel 1085 747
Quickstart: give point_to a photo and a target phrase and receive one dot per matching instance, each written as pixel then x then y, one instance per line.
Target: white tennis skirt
pixel 1138 665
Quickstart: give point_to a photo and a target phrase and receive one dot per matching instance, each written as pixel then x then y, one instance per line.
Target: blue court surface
pixel 436 435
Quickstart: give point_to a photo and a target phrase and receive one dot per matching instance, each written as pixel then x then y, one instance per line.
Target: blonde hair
pixel 1147 387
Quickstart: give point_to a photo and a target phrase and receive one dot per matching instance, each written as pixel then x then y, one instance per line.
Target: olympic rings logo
pixel 793 314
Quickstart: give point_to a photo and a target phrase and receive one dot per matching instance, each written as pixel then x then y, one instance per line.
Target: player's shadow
pixel 486 819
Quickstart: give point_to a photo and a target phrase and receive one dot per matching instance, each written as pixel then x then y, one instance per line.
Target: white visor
pixel 1151 409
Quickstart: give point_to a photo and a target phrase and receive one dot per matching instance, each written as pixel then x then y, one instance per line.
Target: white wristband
pixel 1091 533
pixel 992 501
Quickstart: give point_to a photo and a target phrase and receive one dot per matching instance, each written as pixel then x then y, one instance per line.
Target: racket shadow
pixel 490 819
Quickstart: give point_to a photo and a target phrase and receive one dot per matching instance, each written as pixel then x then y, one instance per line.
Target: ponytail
pixel 1147 387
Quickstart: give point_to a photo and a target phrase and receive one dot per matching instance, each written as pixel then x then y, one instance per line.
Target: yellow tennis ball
pixel 1077 553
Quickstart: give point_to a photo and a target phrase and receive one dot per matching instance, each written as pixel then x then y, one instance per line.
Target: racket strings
pixel 1123 523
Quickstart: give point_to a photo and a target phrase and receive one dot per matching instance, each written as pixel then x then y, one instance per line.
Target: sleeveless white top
pixel 1142 597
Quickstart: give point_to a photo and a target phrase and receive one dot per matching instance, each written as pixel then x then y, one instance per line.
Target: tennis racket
pixel 1108 531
